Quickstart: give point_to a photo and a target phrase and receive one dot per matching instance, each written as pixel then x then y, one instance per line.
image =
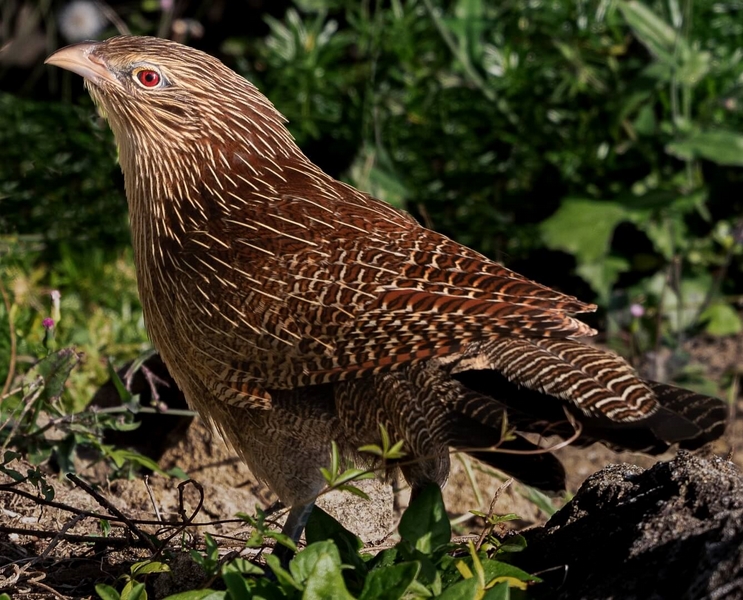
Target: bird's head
pixel 162 97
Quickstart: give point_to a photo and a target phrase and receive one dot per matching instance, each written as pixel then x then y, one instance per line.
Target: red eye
pixel 148 78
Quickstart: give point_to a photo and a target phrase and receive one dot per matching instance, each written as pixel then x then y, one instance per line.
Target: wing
pixel 332 283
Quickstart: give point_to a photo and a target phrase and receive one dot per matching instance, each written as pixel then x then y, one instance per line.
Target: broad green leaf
pixel 283 576
pixel 243 567
pixel 720 146
pixel 389 583
pixel 469 589
pixel 134 591
pixel 500 591
pixel 721 319
pixel 106 592
pixel 656 35
pixel 237 586
pixel 317 569
pixel 495 569
pixel 322 527
pixel 695 67
pixel 583 227
pixel 425 523
pixel 602 274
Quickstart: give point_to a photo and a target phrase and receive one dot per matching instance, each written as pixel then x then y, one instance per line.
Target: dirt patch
pixel 40 546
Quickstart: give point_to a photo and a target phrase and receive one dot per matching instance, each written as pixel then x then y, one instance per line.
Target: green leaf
pixel 106 592
pixel 512 544
pixel 124 394
pixel 317 569
pixel 603 274
pixel 178 473
pixel 134 591
pixel 496 568
pixel 500 591
pixel 322 527
pixel 469 589
pixel 120 456
pixel 425 523
pixel 389 583
pixel 386 558
pixel 146 566
pixel 373 171
pixel 237 586
pixel 54 370
pixel 721 319
pixel 542 501
pixel 199 595
pixel 680 306
pixel 583 227
pixel 283 576
pixel 662 40
pixel 243 567
pixel 719 146
pixel 9 455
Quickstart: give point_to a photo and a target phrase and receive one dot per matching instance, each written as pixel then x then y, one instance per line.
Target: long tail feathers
pixel 532 382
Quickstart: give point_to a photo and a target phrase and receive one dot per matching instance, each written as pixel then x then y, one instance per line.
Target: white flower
pixel 81 20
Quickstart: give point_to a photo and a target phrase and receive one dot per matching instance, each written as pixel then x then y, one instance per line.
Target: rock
pixel 672 531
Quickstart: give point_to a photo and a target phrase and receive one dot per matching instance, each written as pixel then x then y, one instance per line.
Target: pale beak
pixel 79 58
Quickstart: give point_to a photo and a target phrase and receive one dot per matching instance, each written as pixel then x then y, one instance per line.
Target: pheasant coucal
pixel 293 309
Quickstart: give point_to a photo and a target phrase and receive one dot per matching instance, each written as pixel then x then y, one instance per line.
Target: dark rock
pixel 672 531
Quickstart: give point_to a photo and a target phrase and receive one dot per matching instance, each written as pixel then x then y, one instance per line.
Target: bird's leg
pixel 293 528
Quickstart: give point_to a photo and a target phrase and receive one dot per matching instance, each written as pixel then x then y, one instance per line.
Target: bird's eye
pixel 148 78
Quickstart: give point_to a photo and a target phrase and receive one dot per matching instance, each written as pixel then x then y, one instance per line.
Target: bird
pixel 295 311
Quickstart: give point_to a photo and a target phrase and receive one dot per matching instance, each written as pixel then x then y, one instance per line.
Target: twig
pixel 491 511
pixel 117 542
pixel 186 521
pixel 44 586
pixel 106 504
pixel 43 501
pixel 152 497
pixel 11 327
pixel 55 540
pixel 93 515
pixel 577 430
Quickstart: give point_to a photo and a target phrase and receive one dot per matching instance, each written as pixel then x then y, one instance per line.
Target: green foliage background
pixel 594 146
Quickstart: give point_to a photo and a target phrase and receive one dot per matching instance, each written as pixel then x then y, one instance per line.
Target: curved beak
pixel 79 58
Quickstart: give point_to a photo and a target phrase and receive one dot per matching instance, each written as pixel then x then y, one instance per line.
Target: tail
pixel 537 383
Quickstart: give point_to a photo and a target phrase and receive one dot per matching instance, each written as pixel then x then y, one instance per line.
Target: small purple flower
pixel 48 323
pixel 637 310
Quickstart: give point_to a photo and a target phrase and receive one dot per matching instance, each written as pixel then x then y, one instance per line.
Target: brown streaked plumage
pixel 293 309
